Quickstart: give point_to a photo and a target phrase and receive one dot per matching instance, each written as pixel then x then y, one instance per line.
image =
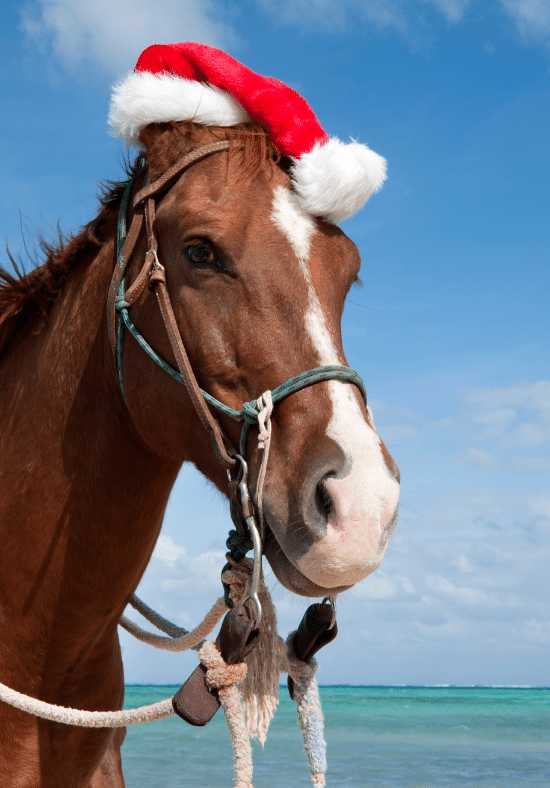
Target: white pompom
pixel 336 179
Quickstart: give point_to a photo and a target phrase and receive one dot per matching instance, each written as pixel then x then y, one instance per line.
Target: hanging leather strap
pixel 194 702
pixel 158 284
pixel 317 628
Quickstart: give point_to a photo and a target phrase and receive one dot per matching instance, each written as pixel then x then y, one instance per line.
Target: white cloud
pixel 452 9
pixel 531 396
pixel 486 461
pixel 540 504
pixel 111 35
pixel 167 550
pixel 478 513
pixel 517 415
pixel 376 586
pixel 380 13
pixel 462 564
pixel 397 433
pixel 172 572
pixel 501 417
pixel 532 17
pixel 442 585
pixel 408 587
pixel 536 631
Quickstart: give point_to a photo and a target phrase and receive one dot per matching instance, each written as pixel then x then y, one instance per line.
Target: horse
pixel 258 287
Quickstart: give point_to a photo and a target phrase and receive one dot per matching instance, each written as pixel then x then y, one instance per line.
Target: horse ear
pixel 163 144
pixel 154 140
pixel 148 135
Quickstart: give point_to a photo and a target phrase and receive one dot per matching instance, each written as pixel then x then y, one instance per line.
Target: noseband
pixel 152 273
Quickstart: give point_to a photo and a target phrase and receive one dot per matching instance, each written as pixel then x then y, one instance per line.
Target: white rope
pixel 156 619
pixel 224 678
pixel 265 409
pixel 306 690
pixel 86 719
pixel 124 717
pixel 191 640
pixel 310 713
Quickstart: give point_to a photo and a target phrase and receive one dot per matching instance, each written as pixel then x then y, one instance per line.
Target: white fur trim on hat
pixel 142 98
pixel 336 179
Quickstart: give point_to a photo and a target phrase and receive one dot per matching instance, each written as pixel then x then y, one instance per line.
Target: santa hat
pixel 189 81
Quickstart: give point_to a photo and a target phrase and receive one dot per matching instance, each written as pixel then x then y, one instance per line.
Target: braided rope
pixel 86 719
pixel 219 676
pixel 310 713
pixel 156 619
pixel 265 409
pixel 224 678
pixel 190 640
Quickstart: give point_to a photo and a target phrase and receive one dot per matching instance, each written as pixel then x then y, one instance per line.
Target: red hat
pixel 191 81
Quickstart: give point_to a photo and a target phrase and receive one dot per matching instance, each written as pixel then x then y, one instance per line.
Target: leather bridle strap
pixel 153 272
pixel 118 276
pixel 158 283
pixel 130 241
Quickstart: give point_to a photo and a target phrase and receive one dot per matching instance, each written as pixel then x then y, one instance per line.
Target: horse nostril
pixel 322 499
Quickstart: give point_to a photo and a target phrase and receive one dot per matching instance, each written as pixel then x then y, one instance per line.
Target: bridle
pixel 152 274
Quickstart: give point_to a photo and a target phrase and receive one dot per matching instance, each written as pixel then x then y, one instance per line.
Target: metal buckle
pixel 156 264
pixel 250 519
pixel 332 601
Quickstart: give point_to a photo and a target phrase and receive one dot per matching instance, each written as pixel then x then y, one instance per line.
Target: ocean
pixel 377 737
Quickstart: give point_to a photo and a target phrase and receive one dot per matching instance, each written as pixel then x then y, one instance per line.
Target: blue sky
pixel 450 331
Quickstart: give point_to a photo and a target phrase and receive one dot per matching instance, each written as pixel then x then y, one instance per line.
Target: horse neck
pixel 83 498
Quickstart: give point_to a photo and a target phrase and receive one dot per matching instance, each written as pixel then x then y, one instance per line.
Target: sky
pixel 449 331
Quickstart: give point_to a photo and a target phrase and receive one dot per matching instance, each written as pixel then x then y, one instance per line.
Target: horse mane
pixel 26 297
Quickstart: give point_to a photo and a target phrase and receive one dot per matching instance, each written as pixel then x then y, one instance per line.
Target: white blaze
pixel 364 501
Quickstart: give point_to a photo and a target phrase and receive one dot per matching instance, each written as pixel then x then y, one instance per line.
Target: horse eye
pixel 200 253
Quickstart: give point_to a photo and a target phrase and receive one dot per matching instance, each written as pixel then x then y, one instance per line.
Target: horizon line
pixel 397 686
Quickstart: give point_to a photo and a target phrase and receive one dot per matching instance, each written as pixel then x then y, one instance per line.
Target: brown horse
pixel 258 288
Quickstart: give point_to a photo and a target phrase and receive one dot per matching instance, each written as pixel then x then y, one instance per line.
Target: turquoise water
pixel 377 737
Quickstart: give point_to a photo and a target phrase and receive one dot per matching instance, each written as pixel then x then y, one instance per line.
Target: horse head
pixel 258 286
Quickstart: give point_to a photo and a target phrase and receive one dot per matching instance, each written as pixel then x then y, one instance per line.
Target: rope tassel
pixel 310 713
pixel 224 678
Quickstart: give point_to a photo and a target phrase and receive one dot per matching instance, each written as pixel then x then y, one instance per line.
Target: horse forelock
pixel 251 149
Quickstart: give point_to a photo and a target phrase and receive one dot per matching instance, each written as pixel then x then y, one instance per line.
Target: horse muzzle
pixel 331 528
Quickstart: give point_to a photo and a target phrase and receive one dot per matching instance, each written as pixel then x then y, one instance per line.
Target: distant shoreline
pixel 398 686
